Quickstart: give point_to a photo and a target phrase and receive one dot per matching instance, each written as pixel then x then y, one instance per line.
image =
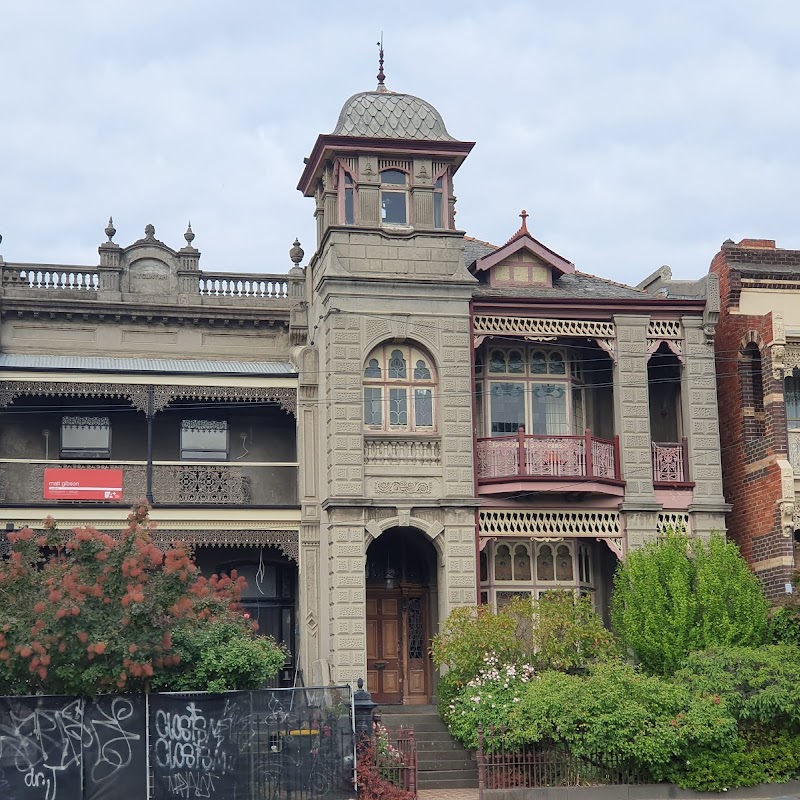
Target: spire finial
pixel 381 76
pixel 524 226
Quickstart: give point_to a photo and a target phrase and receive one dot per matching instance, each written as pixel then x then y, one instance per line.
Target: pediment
pixel 523 261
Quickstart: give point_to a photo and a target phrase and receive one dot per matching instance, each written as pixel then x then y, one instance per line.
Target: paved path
pixel 448 794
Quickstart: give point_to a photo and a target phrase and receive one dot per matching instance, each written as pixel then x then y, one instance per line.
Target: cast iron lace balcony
pixel 670 462
pixel 581 458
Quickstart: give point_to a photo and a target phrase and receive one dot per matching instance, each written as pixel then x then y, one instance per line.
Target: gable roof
pixel 522 240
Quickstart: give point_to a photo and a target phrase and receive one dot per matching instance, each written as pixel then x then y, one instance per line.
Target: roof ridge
pixel 481 241
pixel 608 280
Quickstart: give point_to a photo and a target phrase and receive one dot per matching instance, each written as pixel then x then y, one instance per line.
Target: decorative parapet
pixel 414 452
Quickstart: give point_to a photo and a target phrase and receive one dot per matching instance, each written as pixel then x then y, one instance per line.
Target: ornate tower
pixel 388 534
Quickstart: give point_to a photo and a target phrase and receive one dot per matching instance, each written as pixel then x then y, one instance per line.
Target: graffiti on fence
pixel 260 745
pixel 53 748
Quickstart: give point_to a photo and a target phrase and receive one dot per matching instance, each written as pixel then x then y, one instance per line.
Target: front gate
pixel 278 744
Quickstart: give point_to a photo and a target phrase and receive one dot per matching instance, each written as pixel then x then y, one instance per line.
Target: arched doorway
pixel 401 613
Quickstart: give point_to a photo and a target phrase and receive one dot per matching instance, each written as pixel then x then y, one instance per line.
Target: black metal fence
pixel 279 744
pixel 547 764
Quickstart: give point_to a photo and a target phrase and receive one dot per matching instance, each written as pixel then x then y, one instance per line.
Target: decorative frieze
pixel 672 521
pixel 540 327
pixel 540 523
pixel 136 394
pixel 285 541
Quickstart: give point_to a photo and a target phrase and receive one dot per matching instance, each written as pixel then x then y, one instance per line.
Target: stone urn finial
pixel 110 229
pixel 189 235
pixel 296 253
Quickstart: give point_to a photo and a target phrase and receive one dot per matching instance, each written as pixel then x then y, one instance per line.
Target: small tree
pixel 90 613
pixel 675 595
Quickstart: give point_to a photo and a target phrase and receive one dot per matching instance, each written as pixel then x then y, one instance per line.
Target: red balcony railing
pixel 584 457
pixel 670 462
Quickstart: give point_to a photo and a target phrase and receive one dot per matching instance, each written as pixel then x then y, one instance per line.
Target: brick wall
pixel 753 432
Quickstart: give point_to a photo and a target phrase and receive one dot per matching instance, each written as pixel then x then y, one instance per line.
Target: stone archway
pixel 401 613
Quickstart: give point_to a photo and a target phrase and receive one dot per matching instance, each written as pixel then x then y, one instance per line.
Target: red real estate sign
pixel 82 484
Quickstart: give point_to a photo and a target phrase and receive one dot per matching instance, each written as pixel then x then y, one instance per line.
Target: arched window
pixel 752 387
pixel 399 382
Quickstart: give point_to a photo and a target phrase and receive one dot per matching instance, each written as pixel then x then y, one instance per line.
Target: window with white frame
pixel 399 382
pixel 538 388
pixel 85 437
pixel 394 197
pixel 204 440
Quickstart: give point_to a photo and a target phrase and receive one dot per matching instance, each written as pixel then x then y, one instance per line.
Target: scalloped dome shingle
pixel 390 115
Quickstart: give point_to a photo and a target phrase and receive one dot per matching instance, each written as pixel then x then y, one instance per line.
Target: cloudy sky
pixel 636 134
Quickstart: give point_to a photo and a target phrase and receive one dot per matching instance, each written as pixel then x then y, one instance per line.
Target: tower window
pixel 440 217
pixel 347 196
pixel 394 197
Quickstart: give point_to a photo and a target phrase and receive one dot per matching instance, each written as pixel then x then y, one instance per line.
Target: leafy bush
pixel 613 715
pixel 674 596
pixel 558 631
pixel 784 625
pixel 760 686
pixel 88 612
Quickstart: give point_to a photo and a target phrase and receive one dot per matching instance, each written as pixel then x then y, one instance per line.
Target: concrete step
pixel 424 746
pixel 446 763
pixel 400 709
pixel 448 783
pixel 432 736
pixel 419 724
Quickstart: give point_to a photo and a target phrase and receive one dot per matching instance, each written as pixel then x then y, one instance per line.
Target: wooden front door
pixel 397 646
pixel 384 663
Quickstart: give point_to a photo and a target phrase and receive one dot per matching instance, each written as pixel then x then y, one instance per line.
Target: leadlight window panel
pixel 538 363
pixel 421 371
pixel 416 629
pixel 792 397
pixel 549 409
pixel 564 567
pixel 373 409
pixel 556 364
pixel 502 563
pixel 515 363
pixel 503 599
pixel 544 564
pixel 373 369
pixel 398 407
pixel 423 408
pixel 578 425
pixel 497 361
pixel 522 563
pixel 506 408
pixel 397 364
pixel 86 437
pixel 204 439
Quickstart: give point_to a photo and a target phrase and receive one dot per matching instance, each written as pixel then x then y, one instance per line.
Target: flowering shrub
pixel 558 631
pixel 387 757
pixel 89 612
pixel 488 699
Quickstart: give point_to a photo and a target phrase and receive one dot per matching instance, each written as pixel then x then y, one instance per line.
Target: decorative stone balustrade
pixel 63 278
pixel 224 284
pixel 390 451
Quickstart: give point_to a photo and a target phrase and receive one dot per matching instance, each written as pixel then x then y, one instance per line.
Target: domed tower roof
pixel 391 115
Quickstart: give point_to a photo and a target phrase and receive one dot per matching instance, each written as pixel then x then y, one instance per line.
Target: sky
pixel 635 134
